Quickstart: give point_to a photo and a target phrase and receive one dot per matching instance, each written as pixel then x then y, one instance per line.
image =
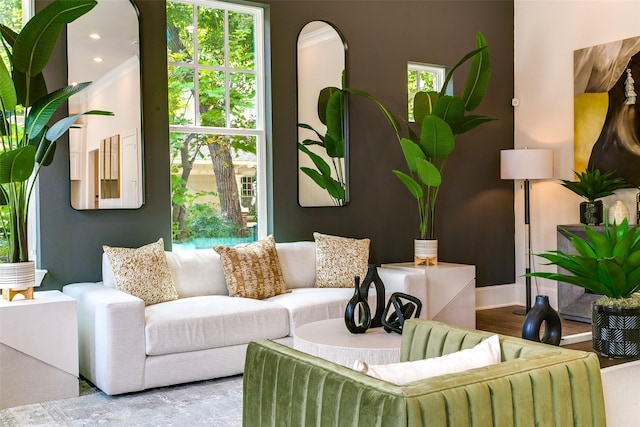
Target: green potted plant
pixel 606 264
pixel 592 184
pixel 431 139
pixel 27 138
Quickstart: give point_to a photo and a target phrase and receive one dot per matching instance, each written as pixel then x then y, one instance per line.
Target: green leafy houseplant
pixel 27 139
pixel 592 184
pixel 438 119
pixel 607 264
pixel 331 114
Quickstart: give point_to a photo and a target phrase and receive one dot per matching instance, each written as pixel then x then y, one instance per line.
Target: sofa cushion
pixel 206 322
pixel 339 260
pixel 142 272
pixel 197 272
pixel 298 263
pixel 484 354
pixel 311 304
pixel 253 270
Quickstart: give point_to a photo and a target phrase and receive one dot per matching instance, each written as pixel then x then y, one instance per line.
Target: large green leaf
pixel 60 127
pixel 8 97
pixel 17 165
pixel 335 125
pixel 612 277
pixel 436 137
pixel 586 283
pixel 414 188
pixel 478 77
pixel 37 87
pixel 34 44
pixel 318 161
pixel 423 104
pixel 450 109
pixel 602 246
pixel 428 173
pixel 323 102
pixel 44 108
pixel 464 59
pixel 412 152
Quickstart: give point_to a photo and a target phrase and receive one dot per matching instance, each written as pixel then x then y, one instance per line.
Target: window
pixel 217 122
pixel 423 77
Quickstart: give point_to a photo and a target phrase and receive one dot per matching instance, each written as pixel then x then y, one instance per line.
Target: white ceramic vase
pixel 17 275
pixel 425 251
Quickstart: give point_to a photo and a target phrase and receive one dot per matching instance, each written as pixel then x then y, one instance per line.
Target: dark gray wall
pixel 475 212
pixel 475 221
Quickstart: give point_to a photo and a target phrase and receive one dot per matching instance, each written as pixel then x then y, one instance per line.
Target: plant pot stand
pixel 9 294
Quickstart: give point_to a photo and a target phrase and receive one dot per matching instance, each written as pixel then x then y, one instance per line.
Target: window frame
pixel 260 71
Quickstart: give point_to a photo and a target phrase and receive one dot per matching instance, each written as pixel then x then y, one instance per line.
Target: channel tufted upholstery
pixel 536 385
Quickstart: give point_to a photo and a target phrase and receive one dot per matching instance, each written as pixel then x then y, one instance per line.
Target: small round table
pixel 330 340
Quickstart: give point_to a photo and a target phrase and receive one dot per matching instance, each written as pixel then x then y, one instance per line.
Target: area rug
pixel 215 403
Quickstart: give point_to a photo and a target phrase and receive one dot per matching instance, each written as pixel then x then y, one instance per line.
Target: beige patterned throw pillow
pixel 339 260
pixel 252 271
pixel 142 272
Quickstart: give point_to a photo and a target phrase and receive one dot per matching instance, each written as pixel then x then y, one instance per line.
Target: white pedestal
pixel 331 340
pixel 451 291
pixel 38 349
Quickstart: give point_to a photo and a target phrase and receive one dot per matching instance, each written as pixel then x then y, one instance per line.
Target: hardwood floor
pixel 503 321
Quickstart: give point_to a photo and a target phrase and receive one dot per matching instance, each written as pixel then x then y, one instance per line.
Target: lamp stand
pixel 527 238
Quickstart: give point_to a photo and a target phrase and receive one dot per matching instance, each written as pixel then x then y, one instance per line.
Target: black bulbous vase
pixel 540 313
pixel 357 315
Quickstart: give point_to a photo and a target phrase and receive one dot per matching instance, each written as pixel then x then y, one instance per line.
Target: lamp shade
pixel 526 163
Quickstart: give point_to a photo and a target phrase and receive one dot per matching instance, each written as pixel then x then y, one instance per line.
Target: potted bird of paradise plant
pixel 27 136
pixel 439 118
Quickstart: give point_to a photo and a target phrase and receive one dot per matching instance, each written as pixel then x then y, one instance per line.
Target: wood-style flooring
pixel 503 321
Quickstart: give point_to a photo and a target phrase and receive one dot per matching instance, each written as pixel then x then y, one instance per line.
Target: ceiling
pixel 116 21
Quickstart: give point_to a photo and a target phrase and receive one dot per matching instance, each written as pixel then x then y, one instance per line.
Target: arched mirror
pixel 322 117
pixel 105 152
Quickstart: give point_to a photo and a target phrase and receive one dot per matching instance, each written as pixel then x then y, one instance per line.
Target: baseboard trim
pixel 512 294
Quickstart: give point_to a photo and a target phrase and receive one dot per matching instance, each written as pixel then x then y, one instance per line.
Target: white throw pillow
pixel 484 354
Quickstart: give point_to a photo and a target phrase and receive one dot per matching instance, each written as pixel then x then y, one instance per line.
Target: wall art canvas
pixel 606 126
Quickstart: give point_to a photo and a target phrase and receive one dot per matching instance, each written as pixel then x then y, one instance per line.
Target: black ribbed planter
pixel 615 331
pixel 591 212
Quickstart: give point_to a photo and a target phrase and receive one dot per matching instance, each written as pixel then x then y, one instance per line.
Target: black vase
pixel 357 315
pixel 542 312
pixel 591 212
pixel 373 277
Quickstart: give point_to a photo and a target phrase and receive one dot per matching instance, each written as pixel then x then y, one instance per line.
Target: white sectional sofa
pixel 125 346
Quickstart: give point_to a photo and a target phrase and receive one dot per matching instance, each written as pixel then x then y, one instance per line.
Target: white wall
pixel 546 34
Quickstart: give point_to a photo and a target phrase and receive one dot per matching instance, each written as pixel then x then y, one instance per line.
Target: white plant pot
pixel 17 275
pixel 425 251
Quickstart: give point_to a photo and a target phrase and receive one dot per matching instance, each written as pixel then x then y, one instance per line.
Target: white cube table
pixel 38 349
pixel 331 340
pixel 451 291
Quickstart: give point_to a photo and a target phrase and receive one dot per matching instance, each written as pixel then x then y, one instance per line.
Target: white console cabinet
pixel 38 349
pixel 451 291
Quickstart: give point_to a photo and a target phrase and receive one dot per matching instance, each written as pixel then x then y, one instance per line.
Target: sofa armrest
pixel 283 386
pixel 111 337
pixel 412 283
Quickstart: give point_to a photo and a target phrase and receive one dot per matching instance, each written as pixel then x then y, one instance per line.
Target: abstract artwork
pixel 606 127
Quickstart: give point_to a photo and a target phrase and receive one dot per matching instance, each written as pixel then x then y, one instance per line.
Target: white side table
pixel 330 340
pixel 38 349
pixel 451 291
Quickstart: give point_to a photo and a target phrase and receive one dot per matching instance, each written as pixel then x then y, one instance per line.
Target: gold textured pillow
pixel 252 271
pixel 143 272
pixel 339 260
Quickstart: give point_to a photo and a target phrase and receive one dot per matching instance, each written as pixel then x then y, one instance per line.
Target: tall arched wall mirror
pixel 105 152
pixel 322 117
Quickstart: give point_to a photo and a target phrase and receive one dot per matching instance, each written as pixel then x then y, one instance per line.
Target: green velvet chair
pixel 535 385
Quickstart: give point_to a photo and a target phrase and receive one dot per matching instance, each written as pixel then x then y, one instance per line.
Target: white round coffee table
pixel 330 340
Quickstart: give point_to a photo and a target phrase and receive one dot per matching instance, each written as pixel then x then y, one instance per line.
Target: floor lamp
pixel 526 164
